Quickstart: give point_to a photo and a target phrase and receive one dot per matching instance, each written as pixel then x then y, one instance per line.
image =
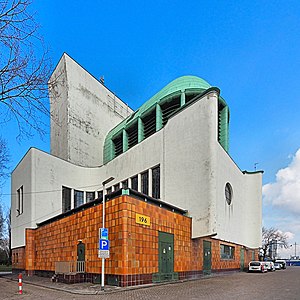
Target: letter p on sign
pixel 104 245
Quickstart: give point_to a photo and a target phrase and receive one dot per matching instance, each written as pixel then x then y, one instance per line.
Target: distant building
pixel 171 167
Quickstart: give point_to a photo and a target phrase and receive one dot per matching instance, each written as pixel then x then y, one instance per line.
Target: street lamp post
pixel 103 225
pixel 295 249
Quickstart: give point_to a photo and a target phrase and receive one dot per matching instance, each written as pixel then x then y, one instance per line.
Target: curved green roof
pixel 184 83
pixel 181 83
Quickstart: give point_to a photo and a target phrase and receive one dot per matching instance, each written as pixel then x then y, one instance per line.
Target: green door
pixel 206 258
pixel 166 254
pixel 242 259
pixel 80 252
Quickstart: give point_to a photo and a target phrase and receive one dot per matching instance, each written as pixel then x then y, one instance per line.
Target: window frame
pixel 64 209
pixel 228 252
pixel 156 182
pixel 145 182
pixel 20 201
pixel 133 178
pixel 77 192
pixel 228 193
pixel 89 193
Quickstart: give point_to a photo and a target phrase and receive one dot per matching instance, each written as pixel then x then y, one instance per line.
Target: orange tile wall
pixel 18 258
pixel 133 247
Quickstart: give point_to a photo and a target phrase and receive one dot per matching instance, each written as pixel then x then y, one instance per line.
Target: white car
pixel 277 265
pixel 257 266
pixel 270 265
pixel 282 263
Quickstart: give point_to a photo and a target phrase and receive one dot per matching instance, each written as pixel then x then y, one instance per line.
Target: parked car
pixel 270 265
pixel 282 262
pixel 277 265
pixel 257 266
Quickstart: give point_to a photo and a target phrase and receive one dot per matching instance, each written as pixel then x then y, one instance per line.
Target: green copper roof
pixel 181 83
pixel 174 88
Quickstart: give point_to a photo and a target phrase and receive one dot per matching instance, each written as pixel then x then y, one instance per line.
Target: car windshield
pixel 255 263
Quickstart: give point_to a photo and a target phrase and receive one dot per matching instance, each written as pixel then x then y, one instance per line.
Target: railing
pixel 65 267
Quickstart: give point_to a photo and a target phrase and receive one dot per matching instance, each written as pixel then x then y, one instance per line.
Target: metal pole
pixel 103 226
pixel 295 250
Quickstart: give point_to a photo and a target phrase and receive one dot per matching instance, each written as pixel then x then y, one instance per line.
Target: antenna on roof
pixel 102 79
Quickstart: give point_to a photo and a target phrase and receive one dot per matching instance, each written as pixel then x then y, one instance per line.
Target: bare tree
pixel 4 160
pixel 24 68
pixel 273 237
pixel 4 237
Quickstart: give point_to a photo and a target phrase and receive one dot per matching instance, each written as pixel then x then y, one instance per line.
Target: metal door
pixel 80 252
pixel 166 253
pixel 242 259
pixel 206 258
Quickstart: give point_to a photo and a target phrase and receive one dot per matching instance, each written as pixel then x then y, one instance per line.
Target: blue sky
pixel 250 50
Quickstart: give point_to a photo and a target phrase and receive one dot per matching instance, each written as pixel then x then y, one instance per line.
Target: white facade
pixel 194 167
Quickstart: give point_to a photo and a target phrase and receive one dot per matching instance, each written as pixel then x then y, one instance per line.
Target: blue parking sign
pixel 104 245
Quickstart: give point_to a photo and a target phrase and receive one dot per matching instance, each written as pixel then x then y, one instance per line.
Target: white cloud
pixel 285 191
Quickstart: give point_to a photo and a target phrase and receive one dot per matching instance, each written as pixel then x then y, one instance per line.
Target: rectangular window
pixel 20 198
pixel 116 186
pixel 66 199
pixel 100 195
pixel 145 182
pixel 109 191
pixel 125 184
pixel 156 182
pixel 90 196
pixel 227 252
pixel 134 183
pixel 78 198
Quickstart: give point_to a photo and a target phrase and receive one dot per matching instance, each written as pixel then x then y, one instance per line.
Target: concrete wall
pixel 42 176
pixel 189 163
pixel 22 176
pixel 84 111
pixel 241 220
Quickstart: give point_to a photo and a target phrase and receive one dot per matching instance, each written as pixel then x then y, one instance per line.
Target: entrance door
pixel 206 258
pixel 80 252
pixel 166 254
pixel 242 259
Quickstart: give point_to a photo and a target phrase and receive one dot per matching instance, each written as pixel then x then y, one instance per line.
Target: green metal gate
pixel 165 258
pixel 206 257
pixel 242 259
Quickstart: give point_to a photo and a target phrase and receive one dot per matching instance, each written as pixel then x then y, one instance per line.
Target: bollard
pixel 20 284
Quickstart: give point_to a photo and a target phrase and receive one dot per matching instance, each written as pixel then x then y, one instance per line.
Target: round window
pixel 228 193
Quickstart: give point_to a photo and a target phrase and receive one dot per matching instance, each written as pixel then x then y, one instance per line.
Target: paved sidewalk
pixel 89 288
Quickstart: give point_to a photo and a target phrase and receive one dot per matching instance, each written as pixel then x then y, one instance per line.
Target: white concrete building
pixel 174 148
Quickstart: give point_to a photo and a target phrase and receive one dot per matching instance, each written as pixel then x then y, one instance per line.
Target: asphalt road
pixel 283 284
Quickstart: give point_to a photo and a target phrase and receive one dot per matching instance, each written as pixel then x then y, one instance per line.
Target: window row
pixel 147 182
pixel 79 198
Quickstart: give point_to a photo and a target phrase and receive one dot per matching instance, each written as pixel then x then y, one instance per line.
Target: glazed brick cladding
pixel 18 258
pixel 133 247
